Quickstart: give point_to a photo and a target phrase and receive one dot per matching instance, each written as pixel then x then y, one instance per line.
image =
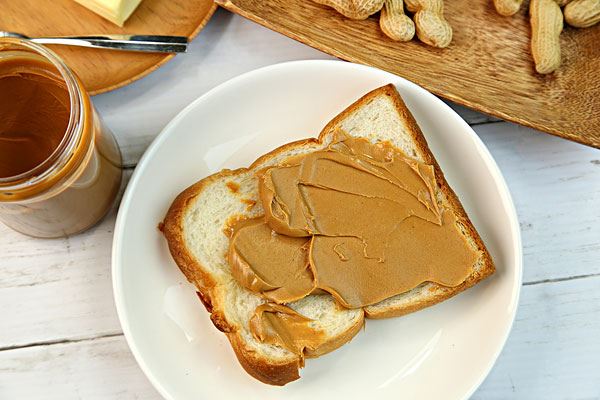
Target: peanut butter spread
pixel 282 326
pixel 357 220
pixel 283 275
pixel 34 114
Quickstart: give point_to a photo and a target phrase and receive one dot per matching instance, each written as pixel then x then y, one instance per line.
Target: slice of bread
pixel 381 115
pixel 198 218
pixel 195 228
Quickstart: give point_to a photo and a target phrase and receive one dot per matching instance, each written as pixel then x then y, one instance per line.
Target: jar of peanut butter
pixel 60 168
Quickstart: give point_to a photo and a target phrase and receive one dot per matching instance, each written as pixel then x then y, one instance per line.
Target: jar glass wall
pixel 71 186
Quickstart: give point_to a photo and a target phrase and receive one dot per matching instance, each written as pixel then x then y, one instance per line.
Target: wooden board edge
pixel 230 6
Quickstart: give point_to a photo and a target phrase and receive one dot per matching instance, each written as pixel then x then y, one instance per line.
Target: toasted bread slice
pixel 195 225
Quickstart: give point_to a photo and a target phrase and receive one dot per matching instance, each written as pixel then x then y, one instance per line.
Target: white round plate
pixel 443 352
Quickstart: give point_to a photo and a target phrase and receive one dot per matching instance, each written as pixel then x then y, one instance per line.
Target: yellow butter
pixel 116 11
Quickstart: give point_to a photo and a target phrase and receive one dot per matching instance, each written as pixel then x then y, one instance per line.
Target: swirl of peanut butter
pixel 373 222
pixel 266 262
pixel 282 326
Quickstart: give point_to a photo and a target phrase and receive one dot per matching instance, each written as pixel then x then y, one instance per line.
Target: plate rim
pixel 505 197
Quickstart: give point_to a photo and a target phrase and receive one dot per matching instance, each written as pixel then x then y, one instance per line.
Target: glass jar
pixel 73 186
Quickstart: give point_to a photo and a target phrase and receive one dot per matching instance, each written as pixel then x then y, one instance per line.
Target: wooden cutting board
pixel 487 67
pixel 103 70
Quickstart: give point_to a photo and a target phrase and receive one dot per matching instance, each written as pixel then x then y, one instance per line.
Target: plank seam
pixel 60 341
pixel 554 280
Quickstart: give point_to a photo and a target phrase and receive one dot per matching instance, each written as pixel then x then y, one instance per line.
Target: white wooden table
pixel 59 333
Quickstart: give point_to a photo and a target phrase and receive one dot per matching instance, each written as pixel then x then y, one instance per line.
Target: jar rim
pixel 60 156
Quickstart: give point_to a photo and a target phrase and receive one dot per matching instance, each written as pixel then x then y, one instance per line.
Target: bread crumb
pixel 233 187
pixel 249 204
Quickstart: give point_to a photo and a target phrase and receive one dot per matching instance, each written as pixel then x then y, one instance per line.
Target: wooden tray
pixel 487 67
pixel 103 70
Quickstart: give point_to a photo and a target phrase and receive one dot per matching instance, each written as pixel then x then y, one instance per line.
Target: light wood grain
pixel 550 353
pixel 555 186
pixel 57 289
pixel 102 368
pixel 103 70
pixel 487 67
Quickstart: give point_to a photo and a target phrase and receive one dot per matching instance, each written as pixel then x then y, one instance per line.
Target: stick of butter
pixel 116 11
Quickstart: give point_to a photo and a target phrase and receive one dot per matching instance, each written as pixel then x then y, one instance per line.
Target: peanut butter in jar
pixel 60 168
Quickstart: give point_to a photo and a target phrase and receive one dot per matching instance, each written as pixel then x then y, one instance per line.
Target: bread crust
pixel 282 373
pixel 338 341
pixel 272 374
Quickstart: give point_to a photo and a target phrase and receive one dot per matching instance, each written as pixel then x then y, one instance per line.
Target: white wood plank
pixel 94 369
pixel 553 351
pixel 56 289
pixel 555 185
